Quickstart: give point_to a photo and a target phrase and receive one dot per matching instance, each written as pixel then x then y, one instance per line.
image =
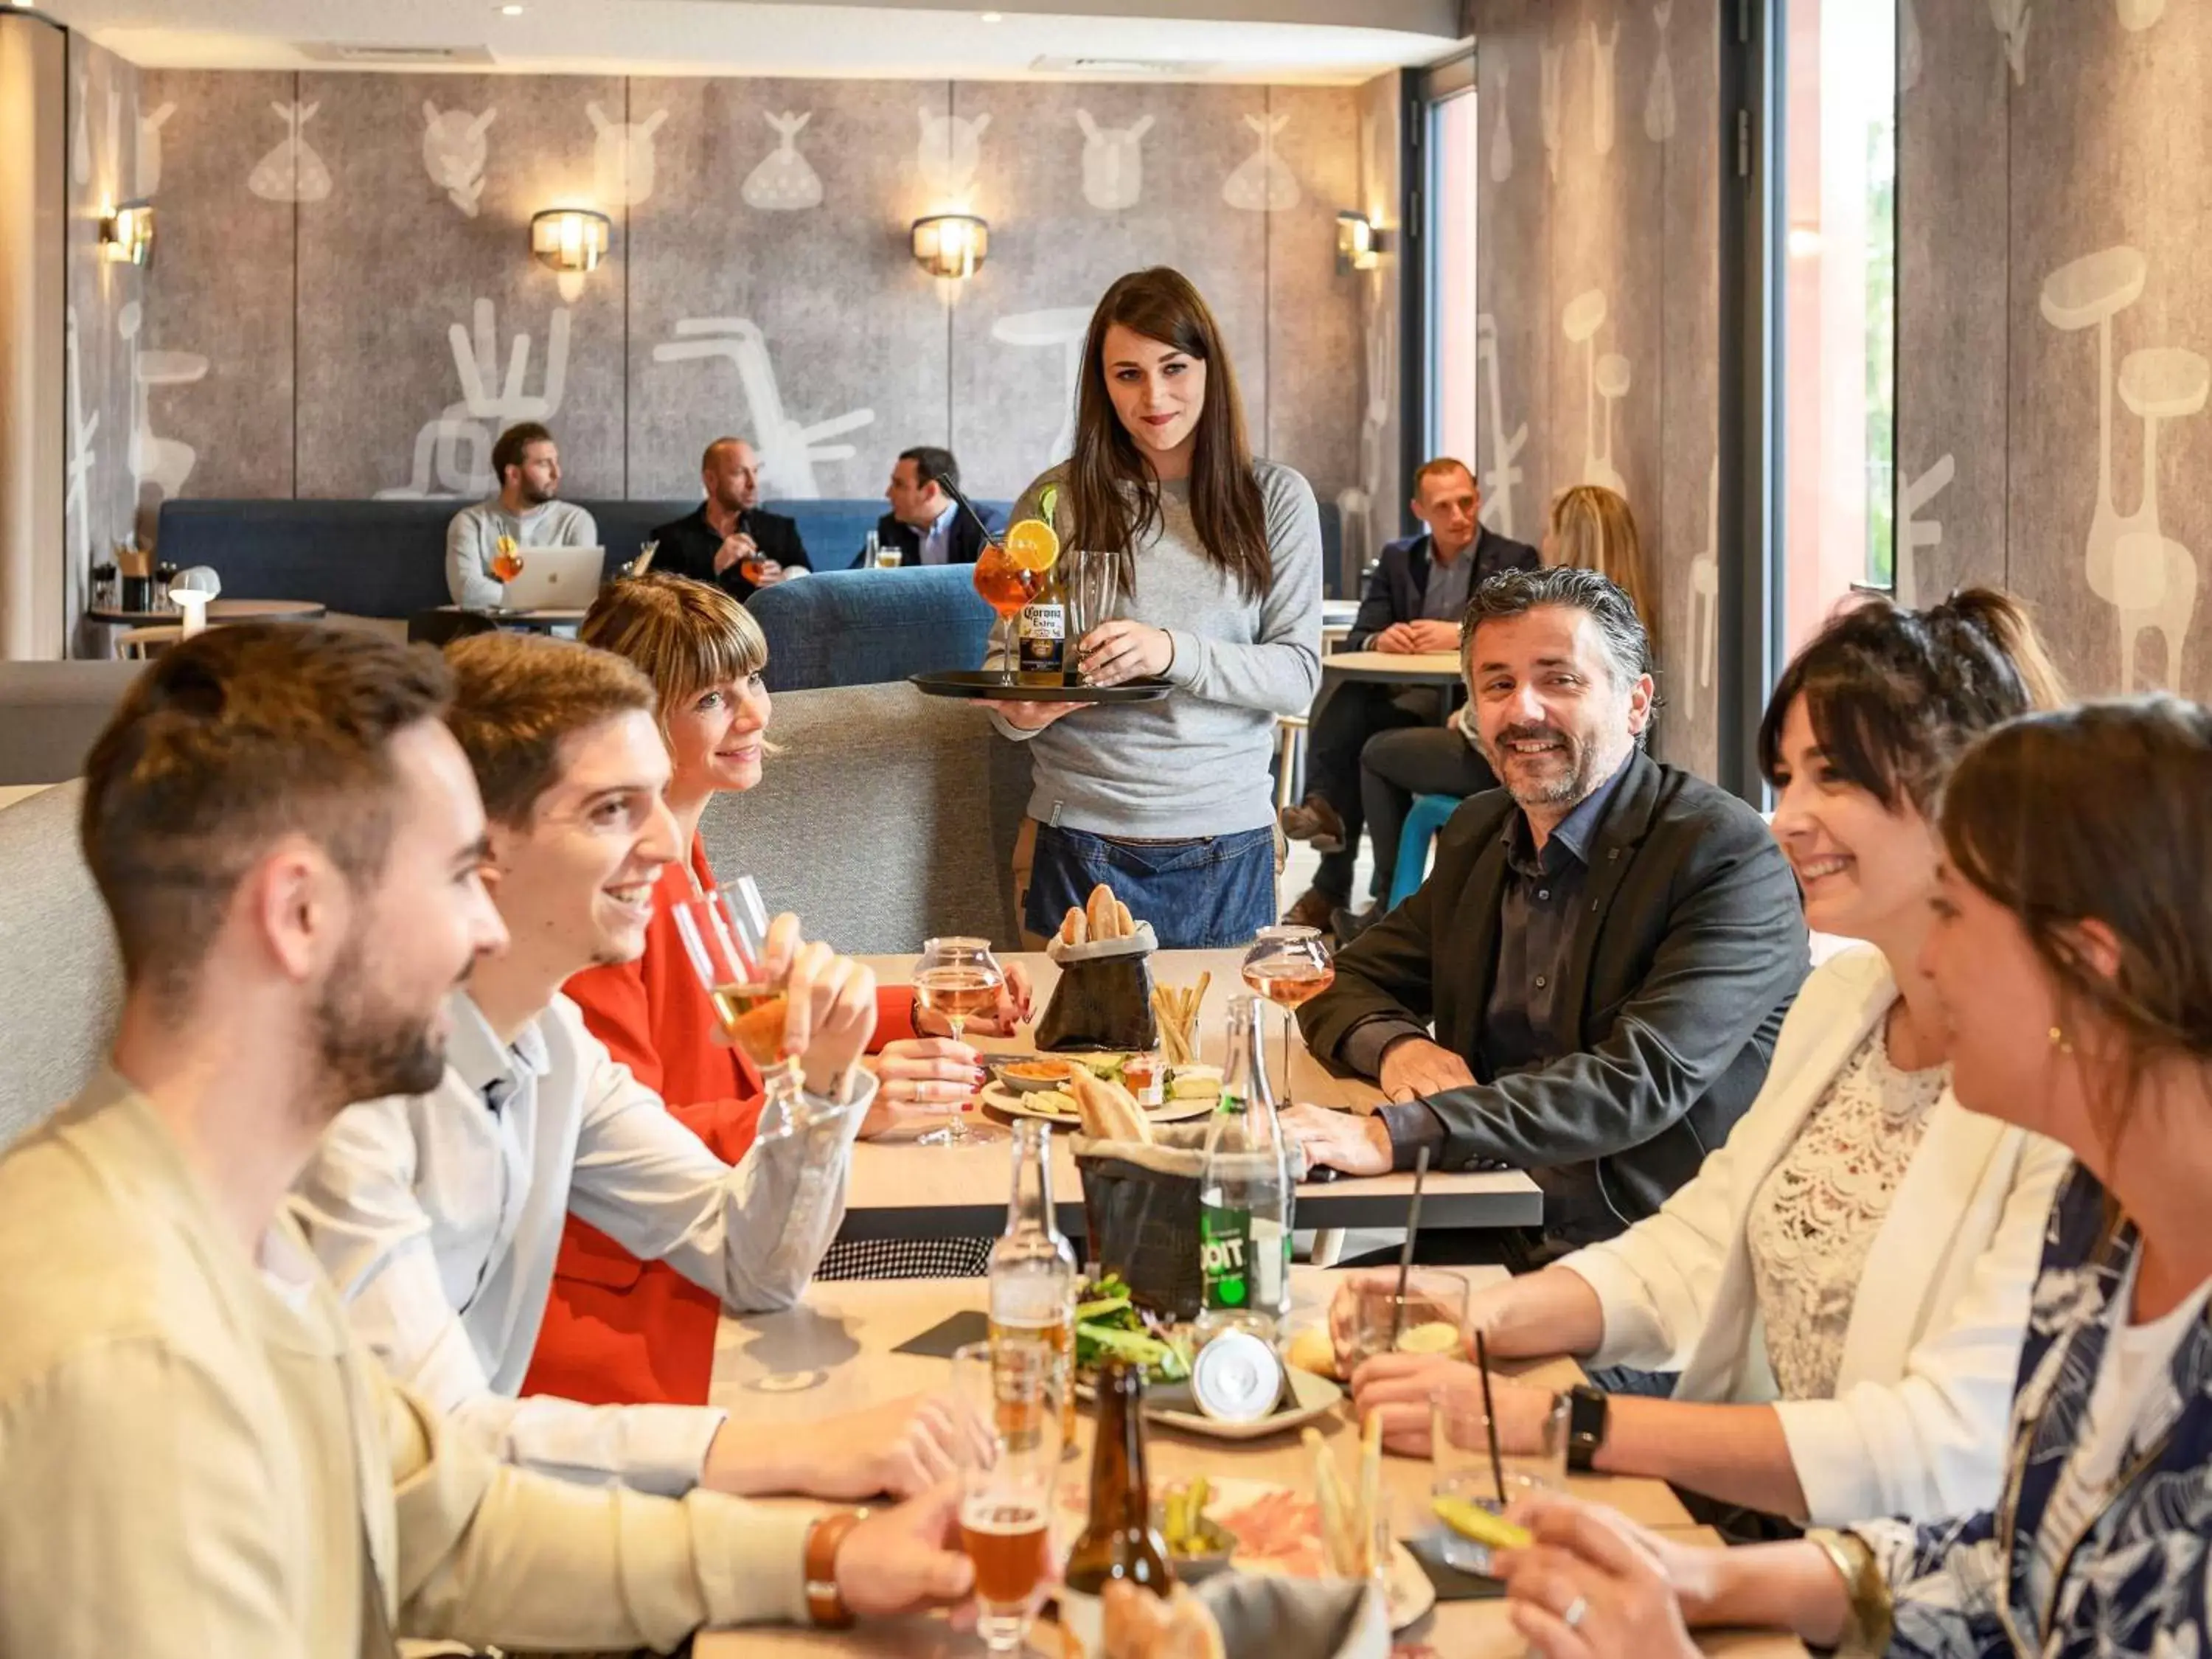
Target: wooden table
pixel 833 1354
pixel 901 1190
pixel 1338 668
pixel 534 622
pixel 218 610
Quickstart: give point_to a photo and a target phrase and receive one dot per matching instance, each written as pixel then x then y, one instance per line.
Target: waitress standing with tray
pixel 1169 801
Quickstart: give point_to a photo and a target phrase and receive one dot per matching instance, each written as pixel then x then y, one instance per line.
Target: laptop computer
pixel 555 579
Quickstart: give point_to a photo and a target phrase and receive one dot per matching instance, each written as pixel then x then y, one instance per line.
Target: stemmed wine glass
pixel 1289 966
pixel 956 979
pixel 1006 587
pixel 725 933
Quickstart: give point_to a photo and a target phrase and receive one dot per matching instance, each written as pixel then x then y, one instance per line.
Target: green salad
pixel 1108 1323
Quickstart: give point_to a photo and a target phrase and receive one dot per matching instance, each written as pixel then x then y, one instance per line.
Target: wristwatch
pixel 1586 1413
pixel 826 1602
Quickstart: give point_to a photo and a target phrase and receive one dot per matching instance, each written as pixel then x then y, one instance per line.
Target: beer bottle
pixel 1118 1541
pixel 1032 1271
pixel 1244 1195
pixel 1043 630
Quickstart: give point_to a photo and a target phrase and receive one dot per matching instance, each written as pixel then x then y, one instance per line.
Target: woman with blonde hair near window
pixel 1836 1297
pixel 2072 952
pixel 619 1329
pixel 1592 527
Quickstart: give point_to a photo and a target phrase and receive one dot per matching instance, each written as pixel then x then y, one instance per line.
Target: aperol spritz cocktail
pixel 1006 587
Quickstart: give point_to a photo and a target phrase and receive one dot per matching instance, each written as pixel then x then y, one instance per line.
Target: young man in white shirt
pixel 439 1216
pixel 196 1456
pixel 527 511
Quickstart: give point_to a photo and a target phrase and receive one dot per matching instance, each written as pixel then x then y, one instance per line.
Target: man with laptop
pixel 528 513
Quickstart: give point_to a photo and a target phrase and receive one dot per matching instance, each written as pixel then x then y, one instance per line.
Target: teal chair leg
pixel 1427 816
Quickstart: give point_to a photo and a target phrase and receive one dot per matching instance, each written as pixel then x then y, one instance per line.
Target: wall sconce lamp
pixel 127 234
pixel 953 245
pixel 1359 244
pixel 571 240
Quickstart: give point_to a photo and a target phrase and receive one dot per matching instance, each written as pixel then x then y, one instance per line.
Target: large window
pixel 1836 271
pixel 1449 201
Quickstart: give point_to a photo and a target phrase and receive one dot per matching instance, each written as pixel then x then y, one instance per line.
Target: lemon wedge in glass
pixel 1474 1521
pixel 1437 1336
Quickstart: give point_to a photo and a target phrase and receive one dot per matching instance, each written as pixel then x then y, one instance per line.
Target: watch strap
pixel 826 1602
pixel 1588 1408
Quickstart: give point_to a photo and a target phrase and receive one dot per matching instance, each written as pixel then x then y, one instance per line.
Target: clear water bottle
pixel 1245 1195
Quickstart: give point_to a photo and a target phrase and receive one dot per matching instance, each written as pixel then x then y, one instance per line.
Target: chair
pixel 1290 759
pixel 1428 816
pixel 139 643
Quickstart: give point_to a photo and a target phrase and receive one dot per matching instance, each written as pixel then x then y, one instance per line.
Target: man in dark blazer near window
pixel 924 524
pixel 1414 602
pixel 732 541
pixel 1588 985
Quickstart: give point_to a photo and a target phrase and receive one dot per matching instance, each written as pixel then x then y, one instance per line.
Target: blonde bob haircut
pixel 1592 528
pixel 687 636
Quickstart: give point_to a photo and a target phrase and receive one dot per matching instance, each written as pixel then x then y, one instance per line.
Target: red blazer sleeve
pixel 617 1008
pixel 894 1017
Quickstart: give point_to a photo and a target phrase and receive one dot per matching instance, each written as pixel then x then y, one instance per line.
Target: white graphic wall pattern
pixel 1501 133
pixel 1062 329
pixel 1113 163
pixel 1604 49
pixel 149 149
pixel 788 449
pixel 452 451
pixel 784 181
pixel 1705 586
pixel 1659 96
pixel 81 133
pixel 2011 18
pixel 1263 182
pixel 83 430
pixel 621 157
pixel 950 154
pixel 1503 473
pixel 1550 60
pixel 454 149
pixel 292 171
pixel 1604 379
pixel 1912 50
pixel 1916 532
pixel 159 467
pixel 2149 579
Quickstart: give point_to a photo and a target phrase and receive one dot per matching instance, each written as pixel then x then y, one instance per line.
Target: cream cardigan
pixel 1917 1426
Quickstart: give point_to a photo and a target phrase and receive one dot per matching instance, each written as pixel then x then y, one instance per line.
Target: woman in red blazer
pixel 618 1329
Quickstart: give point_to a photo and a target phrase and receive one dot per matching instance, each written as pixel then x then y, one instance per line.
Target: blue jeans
pixel 1205 893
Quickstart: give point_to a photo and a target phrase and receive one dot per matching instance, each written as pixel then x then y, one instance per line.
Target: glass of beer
pixel 1288 966
pixel 956 979
pixel 725 933
pixel 1006 1509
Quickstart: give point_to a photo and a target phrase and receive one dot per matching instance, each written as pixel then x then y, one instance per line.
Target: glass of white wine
pixel 725 933
pixel 956 979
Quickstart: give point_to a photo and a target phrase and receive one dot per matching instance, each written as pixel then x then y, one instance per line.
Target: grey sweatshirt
pixel 1195 763
pixel 473 537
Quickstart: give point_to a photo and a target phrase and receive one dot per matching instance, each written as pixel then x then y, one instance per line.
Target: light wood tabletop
pixel 898 1190
pixel 1415 668
pixel 832 1353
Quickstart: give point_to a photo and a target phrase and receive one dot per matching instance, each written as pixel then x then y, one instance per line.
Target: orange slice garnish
pixel 1033 545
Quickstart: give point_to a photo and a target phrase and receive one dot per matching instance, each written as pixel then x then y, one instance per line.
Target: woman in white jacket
pixel 1843 1287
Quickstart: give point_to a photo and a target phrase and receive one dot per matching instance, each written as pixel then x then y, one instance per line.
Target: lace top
pixel 1814 1217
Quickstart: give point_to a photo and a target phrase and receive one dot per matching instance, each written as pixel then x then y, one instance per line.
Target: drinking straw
pixel 1490 1416
pixel 1405 1252
pixel 981 523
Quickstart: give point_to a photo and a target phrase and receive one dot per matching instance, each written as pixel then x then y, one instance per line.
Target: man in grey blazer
pixel 1588 985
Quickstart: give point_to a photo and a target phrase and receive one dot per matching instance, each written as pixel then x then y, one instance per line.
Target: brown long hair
pixel 2102 812
pixel 1114 498
pixel 1894 694
pixel 1592 527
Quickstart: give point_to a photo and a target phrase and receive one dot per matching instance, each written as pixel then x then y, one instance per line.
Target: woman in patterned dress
pixel 1833 1306
pixel 2073 957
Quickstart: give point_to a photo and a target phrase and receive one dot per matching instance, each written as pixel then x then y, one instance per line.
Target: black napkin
pixel 946 1337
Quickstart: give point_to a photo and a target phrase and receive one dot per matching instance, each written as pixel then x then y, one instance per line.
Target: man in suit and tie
pixel 924 524
pixel 1590 984
pixel 1414 602
pixel 732 540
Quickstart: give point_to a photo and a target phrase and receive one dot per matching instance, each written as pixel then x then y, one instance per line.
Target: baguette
pixel 1138 1625
pixel 1123 922
pixel 1109 1111
pixel 1099 912
pixel 1074 929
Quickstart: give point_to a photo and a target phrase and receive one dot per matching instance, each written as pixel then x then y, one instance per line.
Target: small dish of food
pixel 1029 1076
